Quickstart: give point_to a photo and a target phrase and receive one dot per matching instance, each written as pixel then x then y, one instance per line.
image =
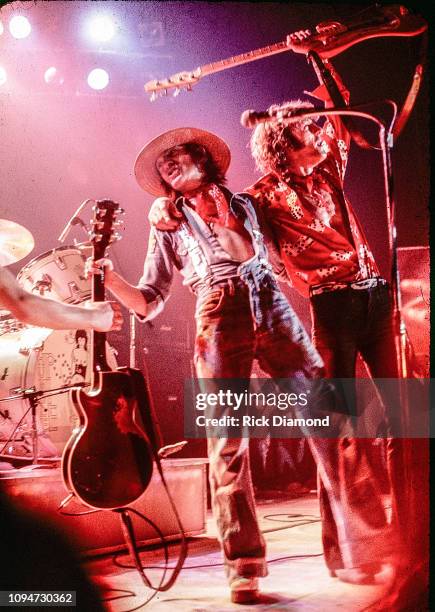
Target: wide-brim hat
pixel 145 165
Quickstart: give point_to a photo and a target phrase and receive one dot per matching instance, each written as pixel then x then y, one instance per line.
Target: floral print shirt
pixel 319 237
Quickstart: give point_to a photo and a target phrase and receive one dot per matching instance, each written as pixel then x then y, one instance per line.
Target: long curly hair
pixel 269 140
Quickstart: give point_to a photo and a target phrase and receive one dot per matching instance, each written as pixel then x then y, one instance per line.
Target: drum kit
pixel 39 366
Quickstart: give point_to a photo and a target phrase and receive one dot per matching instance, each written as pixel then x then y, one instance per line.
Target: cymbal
pixel 15 242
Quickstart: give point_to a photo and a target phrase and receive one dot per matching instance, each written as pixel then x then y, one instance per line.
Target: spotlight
pixel 19 26
pixel 98 78
pixel 3 76
pixel 53 76
pixel 101 29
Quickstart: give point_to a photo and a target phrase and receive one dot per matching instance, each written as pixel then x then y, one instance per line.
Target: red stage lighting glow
pixel 19 26
pixel 98 78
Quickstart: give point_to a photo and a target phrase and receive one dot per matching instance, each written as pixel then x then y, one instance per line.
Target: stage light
pixel 19 26
pixel 53 76
pixel 98 78
pixel 101 28
pixel 3 76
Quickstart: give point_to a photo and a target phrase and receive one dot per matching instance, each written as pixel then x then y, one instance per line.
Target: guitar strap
pixel 408 105
pixel 325 75
pixel 337 98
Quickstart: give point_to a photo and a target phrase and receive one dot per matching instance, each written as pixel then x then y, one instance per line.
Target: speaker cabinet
pixel 414 269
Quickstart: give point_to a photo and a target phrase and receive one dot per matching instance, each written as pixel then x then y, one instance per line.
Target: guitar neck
pixel 329 39
pixel 103 234
pixel 98 339
pixel 243 58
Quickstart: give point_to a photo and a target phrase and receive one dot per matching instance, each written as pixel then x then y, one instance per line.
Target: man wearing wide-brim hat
pixel 240 312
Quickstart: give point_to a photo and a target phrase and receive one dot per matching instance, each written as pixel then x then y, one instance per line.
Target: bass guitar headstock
pixel 182 81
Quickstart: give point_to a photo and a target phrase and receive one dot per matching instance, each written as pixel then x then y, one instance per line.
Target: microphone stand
pixel 399 324
pixel 132 346
pixel 70 223
pixel 34 397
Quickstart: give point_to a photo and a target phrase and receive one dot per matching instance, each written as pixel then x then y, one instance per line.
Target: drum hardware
pixel 33 396
pixel 34 338
pixel 78 221
pixel 16 242
pixel 60 261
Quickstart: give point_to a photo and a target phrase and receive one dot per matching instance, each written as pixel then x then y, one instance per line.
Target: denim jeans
pixel 346 323
pixel 349 321
pixel 240 320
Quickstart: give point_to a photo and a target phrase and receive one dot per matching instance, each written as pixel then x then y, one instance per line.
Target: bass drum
pixel 43 359
pixel 58 274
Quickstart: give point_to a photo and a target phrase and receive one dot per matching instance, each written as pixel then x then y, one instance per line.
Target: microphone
pixel 251 118
pixel 73 221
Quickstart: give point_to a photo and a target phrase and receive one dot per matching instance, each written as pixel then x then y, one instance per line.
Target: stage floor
pixel 298 578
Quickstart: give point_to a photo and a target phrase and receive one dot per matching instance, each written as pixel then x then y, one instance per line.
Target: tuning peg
pixel 153 96
pixel 189 87
pixel 101 211
pixel 176 92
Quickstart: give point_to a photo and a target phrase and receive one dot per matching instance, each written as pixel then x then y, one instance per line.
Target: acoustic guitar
pixel 108 461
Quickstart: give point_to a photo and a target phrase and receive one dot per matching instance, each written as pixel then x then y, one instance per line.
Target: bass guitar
pixel 329 39
pixel 108 461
